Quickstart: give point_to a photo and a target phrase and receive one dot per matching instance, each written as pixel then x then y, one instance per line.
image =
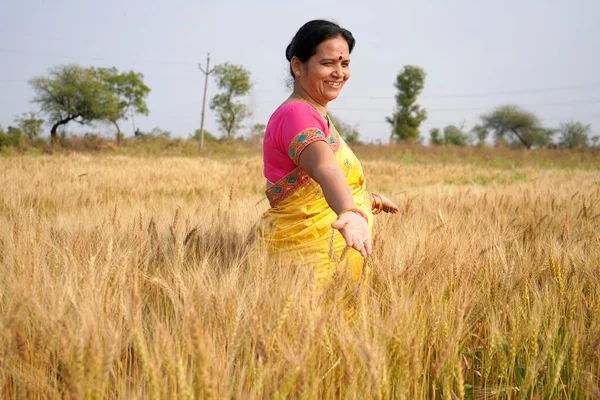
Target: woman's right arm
pixel 319 162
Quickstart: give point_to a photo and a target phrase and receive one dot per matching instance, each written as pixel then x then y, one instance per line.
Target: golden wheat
pixel 129 277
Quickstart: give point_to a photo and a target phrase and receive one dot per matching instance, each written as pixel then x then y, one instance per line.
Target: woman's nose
pixel 339 71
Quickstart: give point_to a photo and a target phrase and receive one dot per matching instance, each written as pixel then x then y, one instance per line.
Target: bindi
pixel 340 58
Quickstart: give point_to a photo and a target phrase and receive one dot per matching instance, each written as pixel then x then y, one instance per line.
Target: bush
pixel 208 137
pixel 12 137
pixel 89 142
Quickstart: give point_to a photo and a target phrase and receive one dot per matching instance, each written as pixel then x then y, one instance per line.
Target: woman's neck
pixel 300 94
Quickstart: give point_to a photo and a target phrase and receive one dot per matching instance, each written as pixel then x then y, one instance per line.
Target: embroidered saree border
pixel 303 139
pixel 297 178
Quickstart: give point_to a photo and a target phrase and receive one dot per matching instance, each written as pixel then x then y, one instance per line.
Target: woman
pixel 315 183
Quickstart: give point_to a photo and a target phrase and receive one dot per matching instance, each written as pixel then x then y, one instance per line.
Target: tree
pixel 208 137
pixel 157 131
pixel 522 124
pixel 30 125
pixel 129 93
pixel 481 134
pixel 574 134
pixel 234 81
pixel 455 136
pixel 71 93
pixel 258 131
pixel 409 115
pixel 435 138
pixel 12 137
pixel 348 132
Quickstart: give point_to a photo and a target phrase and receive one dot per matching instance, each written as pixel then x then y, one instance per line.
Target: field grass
pixel 133 277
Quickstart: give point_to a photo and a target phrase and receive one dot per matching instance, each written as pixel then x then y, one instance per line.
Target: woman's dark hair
pixel 312 34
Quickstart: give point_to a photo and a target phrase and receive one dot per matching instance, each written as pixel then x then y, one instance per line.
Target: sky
pixel 477 54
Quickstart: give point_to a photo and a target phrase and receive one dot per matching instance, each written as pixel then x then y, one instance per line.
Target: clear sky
pixel 543 55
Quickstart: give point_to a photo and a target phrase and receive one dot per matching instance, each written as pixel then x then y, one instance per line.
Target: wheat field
pixel 132 277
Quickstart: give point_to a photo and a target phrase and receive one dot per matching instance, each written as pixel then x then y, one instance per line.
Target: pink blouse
pixel 280 155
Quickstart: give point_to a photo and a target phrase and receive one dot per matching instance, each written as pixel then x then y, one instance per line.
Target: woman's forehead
pixel 333 48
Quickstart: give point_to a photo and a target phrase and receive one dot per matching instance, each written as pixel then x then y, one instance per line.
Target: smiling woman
pixel 315 183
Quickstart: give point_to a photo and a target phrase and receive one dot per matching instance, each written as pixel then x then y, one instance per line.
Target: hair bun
pixel 288 52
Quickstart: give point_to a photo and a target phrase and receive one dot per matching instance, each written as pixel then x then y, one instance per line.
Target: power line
pixel 460 120
pixel 488 94
pixel 483 94
pixel 335 109
pixel 423 97
pixel 432 96
pixel 51 54
pixel 575 102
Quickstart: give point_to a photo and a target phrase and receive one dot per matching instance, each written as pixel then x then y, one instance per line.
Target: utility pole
pixel 206 73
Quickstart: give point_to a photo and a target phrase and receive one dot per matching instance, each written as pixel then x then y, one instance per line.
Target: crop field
pixel 134 277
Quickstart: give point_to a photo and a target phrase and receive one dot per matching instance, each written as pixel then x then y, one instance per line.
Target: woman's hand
pixel 319 162
pixel 355 230
pixel 388 205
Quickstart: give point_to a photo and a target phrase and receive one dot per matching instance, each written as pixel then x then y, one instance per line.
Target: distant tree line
pixel 87 95
pixel 515 127
pixel 510 124
pixel 72 93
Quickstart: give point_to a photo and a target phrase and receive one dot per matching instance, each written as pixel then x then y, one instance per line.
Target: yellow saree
pixel 296 230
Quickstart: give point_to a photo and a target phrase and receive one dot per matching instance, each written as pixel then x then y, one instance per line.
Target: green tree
pixel 348 132
pixel 129 94
pixel 435 138
pixel 208 137
pixel 71 93
pixel 409 115
pixel 258 131
pixel 481 133
pixel 574 134
pixel 525 126
pixel 30 125
pixel 13 137
pixel 4 140
pixel 157 131
pixel 455 136
pixel 233 81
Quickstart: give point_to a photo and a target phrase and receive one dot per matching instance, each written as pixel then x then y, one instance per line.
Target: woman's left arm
pixel 382 203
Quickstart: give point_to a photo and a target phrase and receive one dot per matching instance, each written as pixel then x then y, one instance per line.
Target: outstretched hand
pixel 388 205
pixel 355 230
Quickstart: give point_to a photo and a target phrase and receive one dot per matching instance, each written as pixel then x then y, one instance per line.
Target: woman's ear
pixel 296 66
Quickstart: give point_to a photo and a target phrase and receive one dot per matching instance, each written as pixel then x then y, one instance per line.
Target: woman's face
pixel 325 73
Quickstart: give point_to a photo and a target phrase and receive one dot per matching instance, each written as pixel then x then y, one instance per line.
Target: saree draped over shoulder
pixel 296 230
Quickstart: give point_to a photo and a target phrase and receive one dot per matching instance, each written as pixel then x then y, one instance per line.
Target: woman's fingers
pixel 362 244
pixel 347 237
pixel 388 205
pixel 368 247
pixel 357 241
pixel 358 246
pixel 352 240
pixel 342 224
pixel 391 209
pixel 355 231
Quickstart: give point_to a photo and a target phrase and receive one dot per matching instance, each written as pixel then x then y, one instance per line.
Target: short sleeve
pixel 300 126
